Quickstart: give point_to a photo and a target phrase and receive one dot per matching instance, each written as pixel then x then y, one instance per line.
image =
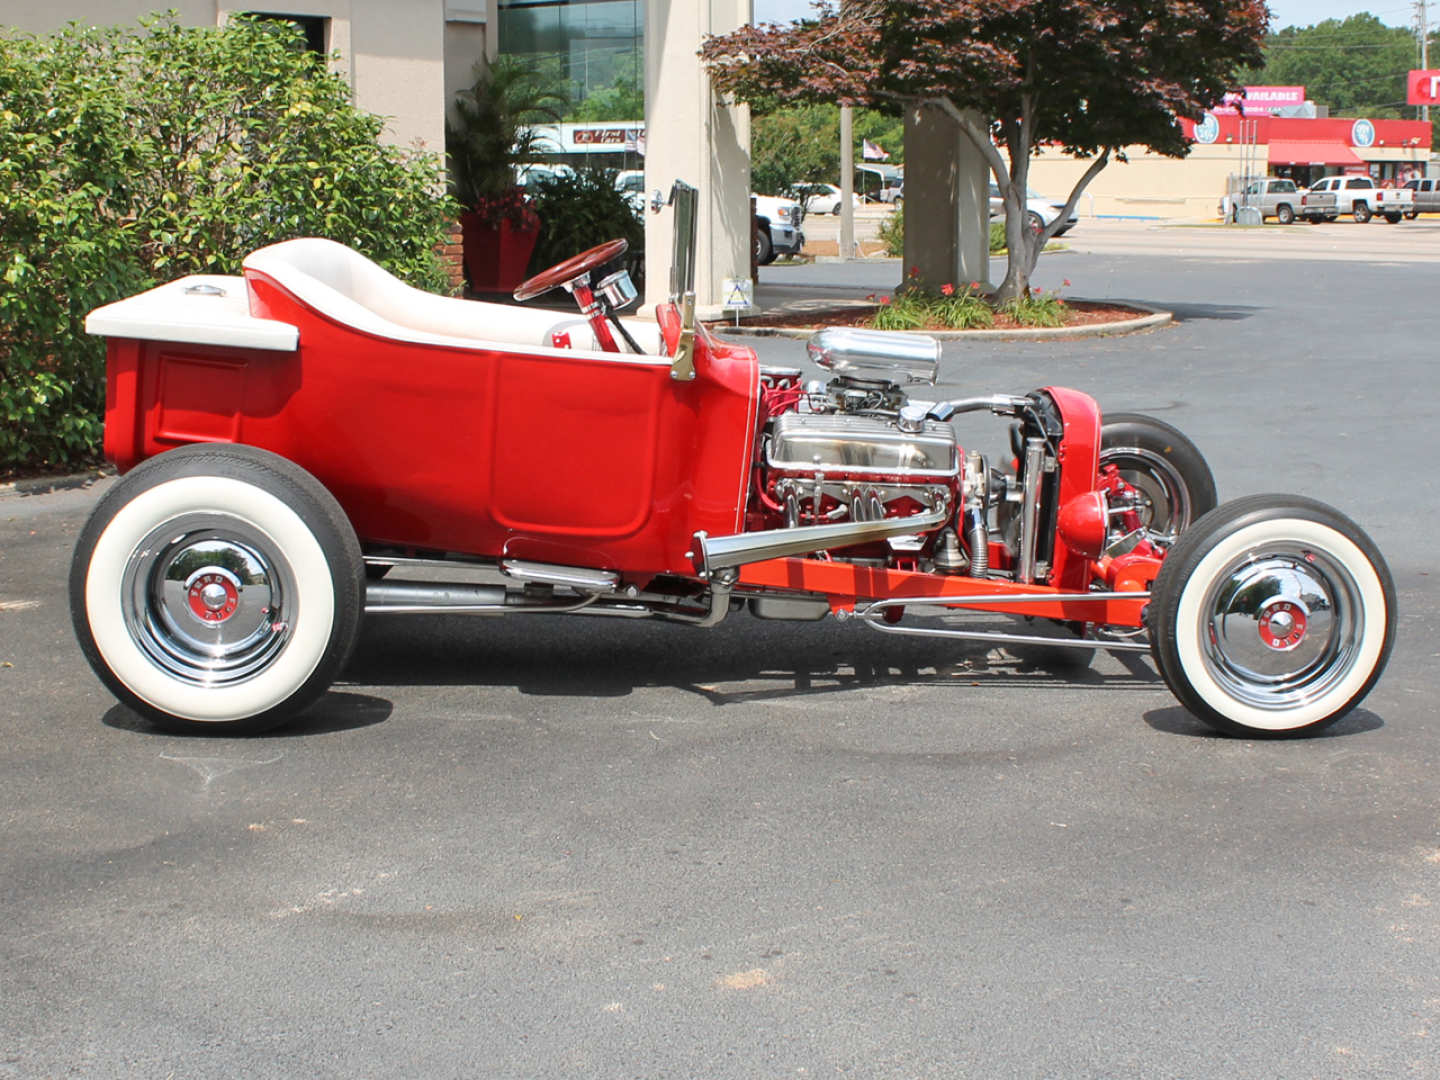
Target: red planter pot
pixel 496 258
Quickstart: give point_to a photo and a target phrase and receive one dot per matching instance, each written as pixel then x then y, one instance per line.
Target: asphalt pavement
pixel 570 848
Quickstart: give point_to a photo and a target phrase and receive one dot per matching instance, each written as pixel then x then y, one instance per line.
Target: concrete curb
pixel 1155 317
pixel 45 485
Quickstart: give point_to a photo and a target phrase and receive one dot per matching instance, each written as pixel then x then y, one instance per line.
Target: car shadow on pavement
pixel 745 660
pixel 1177 721
pixel 335 711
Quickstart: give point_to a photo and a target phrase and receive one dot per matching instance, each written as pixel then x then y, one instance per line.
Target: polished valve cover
pixel 846 446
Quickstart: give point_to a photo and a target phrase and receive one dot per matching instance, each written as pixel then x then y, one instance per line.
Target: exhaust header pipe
pixel 714 553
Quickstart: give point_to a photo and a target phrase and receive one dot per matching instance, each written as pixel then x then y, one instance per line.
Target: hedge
pixel 131 156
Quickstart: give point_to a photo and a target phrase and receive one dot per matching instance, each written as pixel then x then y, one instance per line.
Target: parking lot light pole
pixel 847 182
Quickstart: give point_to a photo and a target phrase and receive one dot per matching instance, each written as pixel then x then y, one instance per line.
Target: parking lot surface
pixel 561 848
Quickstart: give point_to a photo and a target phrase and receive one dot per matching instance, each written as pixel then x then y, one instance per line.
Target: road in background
pixel 560 848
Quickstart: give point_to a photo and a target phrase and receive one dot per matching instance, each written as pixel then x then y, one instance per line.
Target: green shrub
pixel 949 308
pixel 1036 309
pixel 997 237
pixel 129 157
pixel 578 211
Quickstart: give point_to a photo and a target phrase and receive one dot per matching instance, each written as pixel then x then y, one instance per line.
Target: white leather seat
pixel 346 286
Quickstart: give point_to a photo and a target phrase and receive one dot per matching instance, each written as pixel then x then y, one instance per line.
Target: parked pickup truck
pixel 1426 196
pixel 1360 197
pixel 1274 197
pixel 1318 206
pixel 777 228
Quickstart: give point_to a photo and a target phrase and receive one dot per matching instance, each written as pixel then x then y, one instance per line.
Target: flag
pixel 870 151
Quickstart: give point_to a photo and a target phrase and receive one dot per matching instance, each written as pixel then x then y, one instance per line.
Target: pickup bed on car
pixel 1358 196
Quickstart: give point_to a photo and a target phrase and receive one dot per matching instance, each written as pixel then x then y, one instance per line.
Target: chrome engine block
pixel 833 466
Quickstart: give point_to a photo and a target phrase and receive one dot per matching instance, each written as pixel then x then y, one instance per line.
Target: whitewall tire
pixel 1272 616
pixel 217 588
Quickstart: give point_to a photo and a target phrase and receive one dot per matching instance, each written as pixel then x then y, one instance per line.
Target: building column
pixel 947 201
pixel 691 136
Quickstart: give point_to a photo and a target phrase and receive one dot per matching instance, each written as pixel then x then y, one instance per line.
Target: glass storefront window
pixel 593 44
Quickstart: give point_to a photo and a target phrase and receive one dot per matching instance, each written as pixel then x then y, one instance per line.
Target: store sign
pixel 589 138
pixel 1362 133
pixel 606 138
pixel 1261 100
pixel 1208 129
pixel 1423 88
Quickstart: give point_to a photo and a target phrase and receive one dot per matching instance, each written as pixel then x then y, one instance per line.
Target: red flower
pixel 974 285
pixel 884 300
pixel 914 271
pixel 948 289
pixel 1065 284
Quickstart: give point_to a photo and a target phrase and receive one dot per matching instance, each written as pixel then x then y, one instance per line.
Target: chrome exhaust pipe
pixel 714 553
pixel 449 598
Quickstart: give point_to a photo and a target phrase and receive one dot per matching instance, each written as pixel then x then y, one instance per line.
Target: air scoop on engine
pixel 876 355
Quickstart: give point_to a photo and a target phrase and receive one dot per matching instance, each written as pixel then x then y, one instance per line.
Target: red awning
pixel 1311 152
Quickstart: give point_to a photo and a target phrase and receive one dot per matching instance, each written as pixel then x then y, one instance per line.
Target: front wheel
pixel 1361 212
pixel 1284 214
pixel 1393 218
pixel 1272 617
pixel 763 249
pixel 1165 468
pixel 1411 215
pixel 217 589
pixel 1034 223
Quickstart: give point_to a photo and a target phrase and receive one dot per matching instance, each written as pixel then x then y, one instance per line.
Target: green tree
pixel 1356 66
pixel 795 145
pixel 1091 76
pixel 128 157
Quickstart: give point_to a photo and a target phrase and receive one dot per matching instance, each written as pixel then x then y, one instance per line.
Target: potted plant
pixel 489 134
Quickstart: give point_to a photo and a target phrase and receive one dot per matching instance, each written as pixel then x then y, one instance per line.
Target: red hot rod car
pixel 315 442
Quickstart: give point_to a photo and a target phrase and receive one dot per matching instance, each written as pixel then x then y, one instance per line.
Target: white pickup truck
pixel 1355 195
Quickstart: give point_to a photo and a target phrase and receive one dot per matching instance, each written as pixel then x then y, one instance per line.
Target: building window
pixel 315 28
pixel 593 45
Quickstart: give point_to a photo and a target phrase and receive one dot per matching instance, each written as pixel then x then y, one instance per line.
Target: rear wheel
pixel 1165 468
pixel 1272 617
pixel 1361 212
pixel 1284 214
pixel 217 589
pixel 1411 215
pixel 1034 223
pixel 1393 218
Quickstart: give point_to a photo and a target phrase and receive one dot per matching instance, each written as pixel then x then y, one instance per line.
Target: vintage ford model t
pixel 315 442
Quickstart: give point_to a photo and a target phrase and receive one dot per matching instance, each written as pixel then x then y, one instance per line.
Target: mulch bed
pixel 1080 313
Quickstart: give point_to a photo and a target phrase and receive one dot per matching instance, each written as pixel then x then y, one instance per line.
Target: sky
pixel 1282 12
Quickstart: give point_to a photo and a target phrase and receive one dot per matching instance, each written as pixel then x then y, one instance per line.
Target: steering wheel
pixel 574 267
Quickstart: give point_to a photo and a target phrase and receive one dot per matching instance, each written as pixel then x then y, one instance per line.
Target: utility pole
pixel 847 182
pixel 847 173
pixel 1424 24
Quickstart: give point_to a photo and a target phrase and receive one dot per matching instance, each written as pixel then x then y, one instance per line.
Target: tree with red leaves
pixel 1090 77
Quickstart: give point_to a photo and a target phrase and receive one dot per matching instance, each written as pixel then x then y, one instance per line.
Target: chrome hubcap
pixel 208 599
pixel 1281 627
